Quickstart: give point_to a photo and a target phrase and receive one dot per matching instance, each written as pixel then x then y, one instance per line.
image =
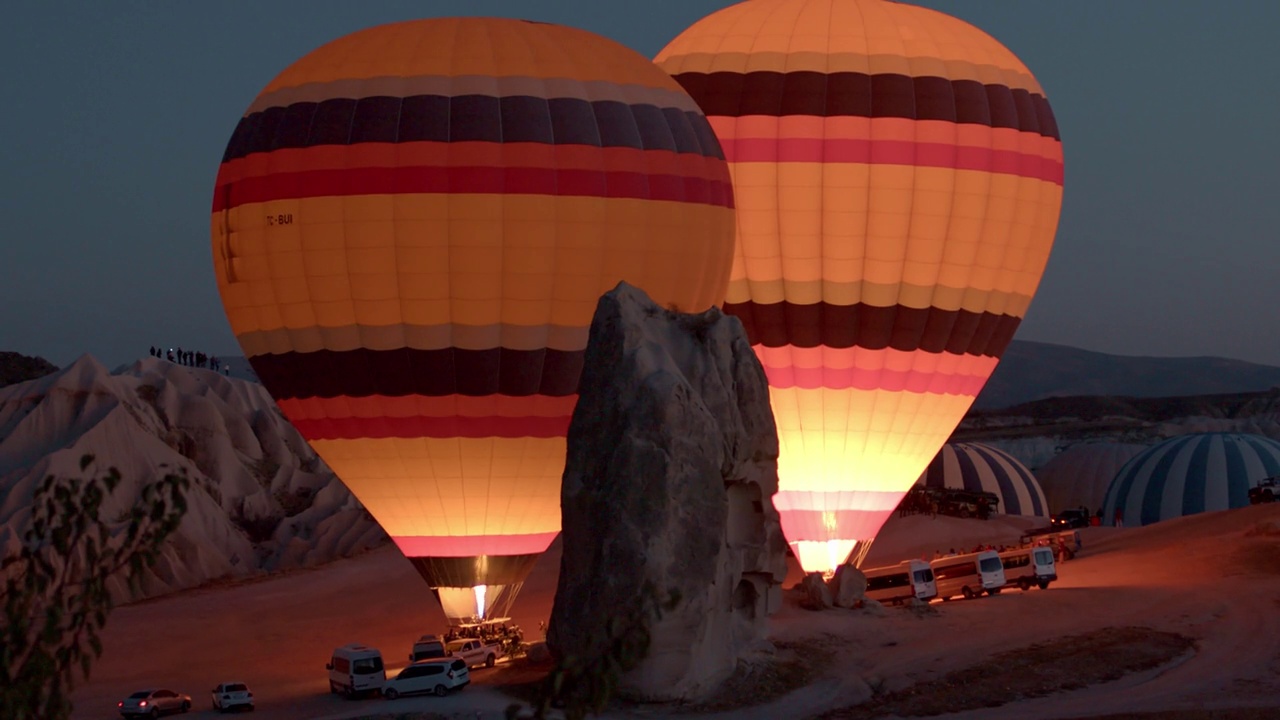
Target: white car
pixel 232 696
pixel 154 703
pixel 437 675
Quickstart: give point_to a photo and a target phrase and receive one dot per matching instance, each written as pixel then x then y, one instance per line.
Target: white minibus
pixel 969 575
pixel 1029 566
pixel 898 583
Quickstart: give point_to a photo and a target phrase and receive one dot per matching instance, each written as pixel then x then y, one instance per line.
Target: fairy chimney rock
pixel 669 476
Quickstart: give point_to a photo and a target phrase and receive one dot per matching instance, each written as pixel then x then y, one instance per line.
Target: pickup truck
pixel 475 651
pixel 1267 490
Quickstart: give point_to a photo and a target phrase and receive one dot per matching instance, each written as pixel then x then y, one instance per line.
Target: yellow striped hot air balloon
pixel 898 178
pixel 411 228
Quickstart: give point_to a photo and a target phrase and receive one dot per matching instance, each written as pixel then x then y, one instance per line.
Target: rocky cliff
pixel 671 466
pixel 260 499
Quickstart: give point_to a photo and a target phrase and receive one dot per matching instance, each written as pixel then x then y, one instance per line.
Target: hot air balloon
pixel 1080 475
pixel 411 227
pixel 898 178
pixel 982 468
pixel 1190 474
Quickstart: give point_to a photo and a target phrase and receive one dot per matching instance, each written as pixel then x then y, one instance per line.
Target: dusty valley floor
pixel 1179 620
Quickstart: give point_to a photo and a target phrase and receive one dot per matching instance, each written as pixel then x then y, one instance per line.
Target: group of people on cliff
pixel 190 358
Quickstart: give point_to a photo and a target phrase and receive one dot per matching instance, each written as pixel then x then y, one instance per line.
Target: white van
pixel 1029 566
pixel 899 583
pixel 969 575
pixel 356 669
pixel 427 647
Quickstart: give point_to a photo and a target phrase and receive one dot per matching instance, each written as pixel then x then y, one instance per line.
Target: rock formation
pixel 671 464
pixel 813 593
pixel 16 368
pixel 260 499
pixel 848 587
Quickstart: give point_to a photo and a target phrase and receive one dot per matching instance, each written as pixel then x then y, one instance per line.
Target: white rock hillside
pixel 260 499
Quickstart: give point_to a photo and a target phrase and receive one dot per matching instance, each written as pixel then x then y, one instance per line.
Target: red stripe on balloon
pixel 892 152
pixel 351 428
pixel 434 406
pixel 484 180
pixel 414 546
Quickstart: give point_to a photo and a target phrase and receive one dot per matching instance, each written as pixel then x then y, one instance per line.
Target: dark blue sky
pixel 116 115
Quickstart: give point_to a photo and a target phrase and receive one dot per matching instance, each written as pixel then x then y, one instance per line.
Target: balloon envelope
pixel 411 228
pixel 898 178
pixel 1189 474
pixel 983 468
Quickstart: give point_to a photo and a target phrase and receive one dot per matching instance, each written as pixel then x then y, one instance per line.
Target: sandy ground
pixel 1214 578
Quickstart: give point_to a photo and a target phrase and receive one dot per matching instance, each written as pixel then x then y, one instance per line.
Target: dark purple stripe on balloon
pixel 394 373
pixel 463 118
pixel 959 332
pixel 729 94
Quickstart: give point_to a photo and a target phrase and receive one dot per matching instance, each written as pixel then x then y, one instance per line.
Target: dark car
pixel 1068 519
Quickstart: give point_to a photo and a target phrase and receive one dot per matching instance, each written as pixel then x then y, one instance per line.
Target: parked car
pixel 232 696
pixel 437 675
pixel 1068 519
pixel 154 703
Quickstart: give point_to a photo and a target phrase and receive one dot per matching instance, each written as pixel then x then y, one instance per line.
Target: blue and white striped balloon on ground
pixel 1190 474
pixel 977 467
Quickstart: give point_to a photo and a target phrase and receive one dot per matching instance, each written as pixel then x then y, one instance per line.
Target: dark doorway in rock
pixel 746 514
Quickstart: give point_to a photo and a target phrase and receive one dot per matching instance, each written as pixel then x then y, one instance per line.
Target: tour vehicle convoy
pixel 356 668
pixel 969 575
pixel 902 582
pixel 1027 566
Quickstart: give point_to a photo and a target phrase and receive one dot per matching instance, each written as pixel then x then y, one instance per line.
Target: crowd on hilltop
pixel 191 358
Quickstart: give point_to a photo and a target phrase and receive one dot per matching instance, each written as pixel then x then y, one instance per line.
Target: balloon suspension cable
pixel 859 553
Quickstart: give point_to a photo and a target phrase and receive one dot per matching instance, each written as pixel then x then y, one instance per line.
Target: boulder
pixel 921 608
pixel 670 468
pixel 848 586
pixel 538 653
pixel 814 593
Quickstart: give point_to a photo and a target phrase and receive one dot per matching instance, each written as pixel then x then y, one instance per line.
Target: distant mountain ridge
pixel 1031 371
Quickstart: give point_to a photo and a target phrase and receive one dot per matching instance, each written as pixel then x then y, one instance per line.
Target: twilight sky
pixel 116 115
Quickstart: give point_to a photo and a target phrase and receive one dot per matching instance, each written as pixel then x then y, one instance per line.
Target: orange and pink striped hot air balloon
pixel 411 228
pixel 898 178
